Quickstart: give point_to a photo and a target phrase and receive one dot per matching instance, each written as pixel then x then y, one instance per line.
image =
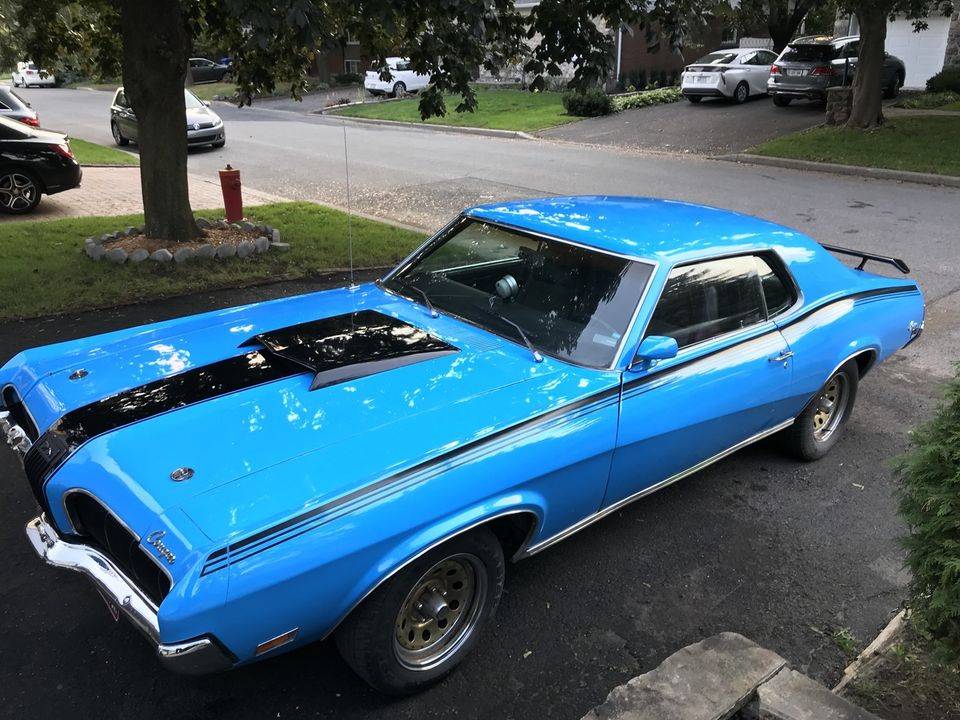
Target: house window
pixel 729 36
pixel 352 39
pixel 351 66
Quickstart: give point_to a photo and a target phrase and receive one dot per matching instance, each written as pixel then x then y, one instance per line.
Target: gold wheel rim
pixel 831 407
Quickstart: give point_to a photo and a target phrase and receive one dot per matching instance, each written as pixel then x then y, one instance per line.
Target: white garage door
pixel 921 52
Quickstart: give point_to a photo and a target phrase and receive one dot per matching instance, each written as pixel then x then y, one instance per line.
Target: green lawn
pixel 952 106
pixel 206 91
pixel 921 144
pixel 498 108
pixel 88 153
pixel 43 269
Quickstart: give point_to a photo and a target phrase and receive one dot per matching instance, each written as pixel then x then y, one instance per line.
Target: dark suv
pixel 810 65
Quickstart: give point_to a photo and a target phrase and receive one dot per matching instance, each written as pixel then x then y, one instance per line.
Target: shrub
pixel 947 80
pixel 587 104
pixel 648 97
pixel 348 78
pixel 929 100
pixel 929 499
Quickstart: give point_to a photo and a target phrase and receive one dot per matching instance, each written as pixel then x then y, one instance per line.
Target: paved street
pixel 781 552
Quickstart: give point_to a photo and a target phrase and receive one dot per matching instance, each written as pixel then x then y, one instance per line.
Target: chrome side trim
pixel 600 514
pixel 110 581
pixel 424 551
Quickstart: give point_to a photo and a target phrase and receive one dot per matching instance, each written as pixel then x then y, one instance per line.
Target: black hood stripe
pixel 335 350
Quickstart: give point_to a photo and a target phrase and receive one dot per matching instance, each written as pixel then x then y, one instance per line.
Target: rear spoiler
pixel 865 256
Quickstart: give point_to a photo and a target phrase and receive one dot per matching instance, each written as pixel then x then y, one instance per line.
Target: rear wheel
pixel 19 192
pixel 821 424
pixel 781 101
pixel 694 98
pixel 419 625
pixel 118 137
pixel 399 89
pixel 893 89
pixel 741 93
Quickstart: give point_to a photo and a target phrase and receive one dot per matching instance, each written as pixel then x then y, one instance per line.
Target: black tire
pixel 118 137
pixel 807 438
pixel 370 640
pixel 399 89
pixel 781 101
pixel 695 99
pixel 741 93
pixel 20 191
pixel 893 89
pixel 218 144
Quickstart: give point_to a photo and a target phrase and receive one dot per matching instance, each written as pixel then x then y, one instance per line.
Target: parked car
pixel 203 70
pixel 734 74
pixel 810 65
pixel 33 162
pixel 359 462
pixel 16 108
pixel 204 126
pixel 27 74
pixel 403 78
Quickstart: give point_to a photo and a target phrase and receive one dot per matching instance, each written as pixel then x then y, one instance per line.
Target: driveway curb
pixel 880 643
pixel 837 169
pixel 487 132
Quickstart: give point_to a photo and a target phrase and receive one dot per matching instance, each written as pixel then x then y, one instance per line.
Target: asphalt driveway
pixel 712 127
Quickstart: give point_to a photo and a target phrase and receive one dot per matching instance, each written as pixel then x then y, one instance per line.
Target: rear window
pixel 717 58
pixel 809 53
pixel 13 130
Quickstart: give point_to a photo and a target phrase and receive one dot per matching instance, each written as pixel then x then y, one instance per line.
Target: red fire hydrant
pixel 232 199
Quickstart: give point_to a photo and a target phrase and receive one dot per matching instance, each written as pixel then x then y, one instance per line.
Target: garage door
pixel 921 52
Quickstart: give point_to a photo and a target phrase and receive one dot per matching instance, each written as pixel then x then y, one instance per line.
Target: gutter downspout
pixel 619 48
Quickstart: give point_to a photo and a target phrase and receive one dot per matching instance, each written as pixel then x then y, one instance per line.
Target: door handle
pixel 784 355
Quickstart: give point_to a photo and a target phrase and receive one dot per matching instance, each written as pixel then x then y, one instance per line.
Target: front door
pixel 730 381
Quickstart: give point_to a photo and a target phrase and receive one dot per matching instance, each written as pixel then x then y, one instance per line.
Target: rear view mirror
pixel 652 349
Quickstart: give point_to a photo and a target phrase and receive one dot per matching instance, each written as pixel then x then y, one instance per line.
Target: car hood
pixel 265 450
pixel 201 115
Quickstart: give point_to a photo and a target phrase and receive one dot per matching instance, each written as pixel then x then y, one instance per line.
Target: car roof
pixel 643 228
pixel 823 39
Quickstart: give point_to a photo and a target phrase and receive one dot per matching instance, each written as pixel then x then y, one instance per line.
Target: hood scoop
pixel 346 347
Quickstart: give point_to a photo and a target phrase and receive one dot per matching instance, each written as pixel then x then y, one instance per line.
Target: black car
pixel 203 70
pixel 810 65
pixel 33 162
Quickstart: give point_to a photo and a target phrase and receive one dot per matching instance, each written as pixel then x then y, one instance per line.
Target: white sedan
pixel 27 73
pixel 737 73
pixel 403 79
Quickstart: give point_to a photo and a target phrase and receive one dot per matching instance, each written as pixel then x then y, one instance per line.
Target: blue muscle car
pixel 357 463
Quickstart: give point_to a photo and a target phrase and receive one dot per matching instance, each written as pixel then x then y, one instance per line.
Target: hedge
pixel 645 98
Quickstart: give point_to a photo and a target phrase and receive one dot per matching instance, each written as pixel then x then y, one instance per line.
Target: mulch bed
pixel 208 236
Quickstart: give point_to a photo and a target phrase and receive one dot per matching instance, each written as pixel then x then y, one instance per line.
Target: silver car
pixel 204 126
pixel 810 65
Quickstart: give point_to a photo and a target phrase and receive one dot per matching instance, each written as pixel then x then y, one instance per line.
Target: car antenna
pixel 346 169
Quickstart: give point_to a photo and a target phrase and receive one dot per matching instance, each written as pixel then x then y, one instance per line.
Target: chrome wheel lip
pixel 17 191
pixel 457 632
pixel 831 407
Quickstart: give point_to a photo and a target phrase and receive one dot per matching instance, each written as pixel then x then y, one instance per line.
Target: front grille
pixel 203 126
pixel 44 456
pixel 100 529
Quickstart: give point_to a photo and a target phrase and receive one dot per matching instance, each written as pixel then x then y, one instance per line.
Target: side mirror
pixel 652 349
pixel 206 102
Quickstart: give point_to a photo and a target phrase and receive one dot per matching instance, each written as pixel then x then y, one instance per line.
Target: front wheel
pixel 821 424
pixel 399 90
pixel 118 137
pixel 419 625
pixel 781 101
pixel 893 89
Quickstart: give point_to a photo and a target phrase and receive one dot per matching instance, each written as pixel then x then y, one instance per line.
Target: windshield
pixel 572 303
pixel 717 58
pixel 192 101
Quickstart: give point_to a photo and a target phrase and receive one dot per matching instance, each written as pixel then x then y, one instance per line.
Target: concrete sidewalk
pixel 116 191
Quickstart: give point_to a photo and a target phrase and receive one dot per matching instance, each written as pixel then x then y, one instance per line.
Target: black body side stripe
pixel 591 403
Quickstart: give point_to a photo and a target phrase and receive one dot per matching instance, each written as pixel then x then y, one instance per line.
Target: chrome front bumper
pixel 193 657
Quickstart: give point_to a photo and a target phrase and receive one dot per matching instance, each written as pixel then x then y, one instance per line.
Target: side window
pixel 2 106
pixel 776 293
pixel 403 65
pixel 749 59
pixel 766 57
pixel 709 299
pixel 852 49
pixel 121 100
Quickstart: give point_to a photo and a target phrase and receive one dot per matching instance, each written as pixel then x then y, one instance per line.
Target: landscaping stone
pixel 226 250
pixel 89 241
pixel 116 255
pixel 262 244
pixel 248 226
pixel 203 223
pixel 710 680
pixel 184 254
pixel 245 248
pixel 138 256
pixel 793 696
pixel 95 251
pixel 106 238
pixel 162 255
pixel 839 103
pixel 130 231
pixel 281 246
pixel 223 224
pixel 206 251
pixel 275 236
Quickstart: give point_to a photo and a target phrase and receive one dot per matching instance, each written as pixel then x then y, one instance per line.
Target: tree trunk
pixel 867 110
pixel 156 45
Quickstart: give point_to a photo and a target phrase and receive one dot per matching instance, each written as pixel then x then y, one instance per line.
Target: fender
pixel 436 535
